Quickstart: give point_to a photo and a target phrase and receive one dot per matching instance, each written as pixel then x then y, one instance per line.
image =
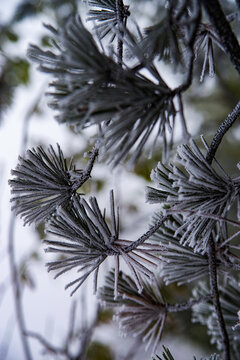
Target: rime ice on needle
pixel 42 182
pixel 193 188
pixel 85 239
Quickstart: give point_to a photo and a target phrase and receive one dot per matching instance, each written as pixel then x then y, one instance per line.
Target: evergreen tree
pixel 111 77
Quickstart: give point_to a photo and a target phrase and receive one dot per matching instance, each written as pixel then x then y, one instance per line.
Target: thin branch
pixel 86 337
pixel 132 351
pixel 191 56
pixel 238 4
pixel 50 348
pixel 11 250
pixel 213 263
pixel 225 126
pixel 32 109
pixel 87 172
pixel 7 338
pixel 224 30
pixel 188 305
pixel 120 18
pixel 72 318
pixel 147 235
pixel 182 115
pixel 17 289
pixel 216 297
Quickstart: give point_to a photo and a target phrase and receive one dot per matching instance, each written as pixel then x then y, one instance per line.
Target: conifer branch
pixel 147 235
pixel 223 28
pixel 216 298
pixel 187 305
pixel 225 126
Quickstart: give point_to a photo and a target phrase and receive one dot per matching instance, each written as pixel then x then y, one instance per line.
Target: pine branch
pixel 205 313
pixel 212 249
pixel 225 126
pixel 86 240
pixel 216 298
pixel 188 305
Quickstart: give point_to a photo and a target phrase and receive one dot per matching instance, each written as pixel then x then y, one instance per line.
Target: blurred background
pixel 26 121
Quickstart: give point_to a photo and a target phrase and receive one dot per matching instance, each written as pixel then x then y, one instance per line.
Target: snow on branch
pixel 192 187
pixel 85 239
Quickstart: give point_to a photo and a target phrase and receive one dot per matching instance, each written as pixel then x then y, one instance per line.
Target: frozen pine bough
pixel 109 75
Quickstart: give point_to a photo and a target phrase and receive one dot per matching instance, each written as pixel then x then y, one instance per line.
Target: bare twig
pixel 120 18
pixel 17 289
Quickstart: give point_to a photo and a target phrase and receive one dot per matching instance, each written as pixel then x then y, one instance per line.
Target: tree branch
pixel 48 347
pixel 11 250
pixel 188 305
pixel 238 4
pixel 17 289
pixel 216 299
pixel 120 18
pixel 224 30
pixel 225 126
pixel 147 235
pixel 212 247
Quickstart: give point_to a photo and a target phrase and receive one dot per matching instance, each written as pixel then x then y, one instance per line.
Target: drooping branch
pixel 238 4
pixel 223 28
